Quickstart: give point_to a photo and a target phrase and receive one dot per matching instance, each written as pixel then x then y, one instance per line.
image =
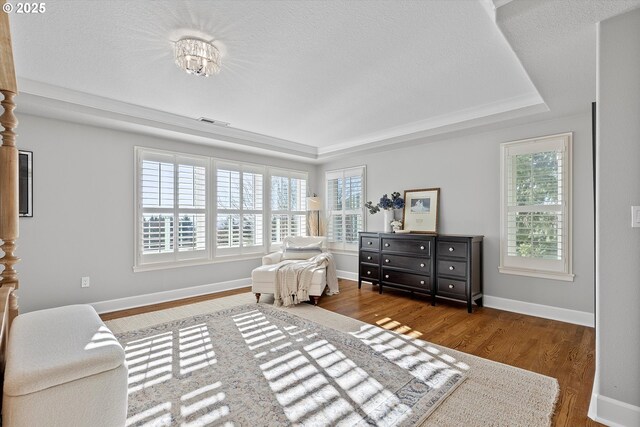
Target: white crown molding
pixel 41 99
pixel 499 3
pixel 477 125
pixel 172 295
pixel 46 100
pixel 476 116
pixel 612 412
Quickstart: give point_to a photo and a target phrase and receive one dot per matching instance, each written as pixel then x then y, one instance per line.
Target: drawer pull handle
pixel 369 273
pixel 386 260
pixel 451 268
pixel 451 249
pixel 368 257
pixel 451 286
pixel 369 242
pixel 422 248
pixel 422 282
pixel 386 245
pixel 422 264
pixel 386 276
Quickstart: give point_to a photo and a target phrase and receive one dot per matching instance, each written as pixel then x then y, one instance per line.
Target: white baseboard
pixel 349 275
pixel 172 295
pixel 546 311
pixel 612 412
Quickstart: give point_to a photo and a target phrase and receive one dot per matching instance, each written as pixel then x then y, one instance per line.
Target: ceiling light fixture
pixel 197 57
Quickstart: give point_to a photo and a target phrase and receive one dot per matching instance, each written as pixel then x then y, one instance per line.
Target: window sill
pixel 553 275
pixel 193 263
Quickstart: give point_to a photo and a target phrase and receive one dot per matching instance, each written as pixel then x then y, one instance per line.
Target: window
pixel 288 204
pixel 239 201
pixel 172 207
pixel 194 209
pixel 345 207
pixel 536 207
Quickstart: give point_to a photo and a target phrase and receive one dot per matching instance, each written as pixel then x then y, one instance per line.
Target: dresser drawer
pixel 452 288
pixel 368 272
pixel 419 265
pixel 420 247
pixel 369 257
pixel 367 242
pixel 406 279
pixel 452 268
pixel 452 249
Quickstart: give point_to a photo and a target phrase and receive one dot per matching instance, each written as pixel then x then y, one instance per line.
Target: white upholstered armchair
pixel 264 278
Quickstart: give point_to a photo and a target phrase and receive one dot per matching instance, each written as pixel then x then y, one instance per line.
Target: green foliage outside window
pixel 538 182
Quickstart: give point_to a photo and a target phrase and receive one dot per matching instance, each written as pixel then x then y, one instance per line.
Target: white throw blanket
pixel 293 279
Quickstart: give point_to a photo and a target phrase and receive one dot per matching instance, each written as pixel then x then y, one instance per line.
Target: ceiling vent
pixel 214 122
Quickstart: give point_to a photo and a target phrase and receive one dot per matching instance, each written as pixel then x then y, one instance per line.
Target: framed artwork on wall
pixel 25 183
pixel 420 213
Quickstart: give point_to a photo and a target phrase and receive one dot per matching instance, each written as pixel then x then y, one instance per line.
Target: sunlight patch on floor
pixel 430 366
pixel 305 381
pixel 150 362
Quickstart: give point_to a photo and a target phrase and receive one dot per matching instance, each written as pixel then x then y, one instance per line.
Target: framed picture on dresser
pixel 420 213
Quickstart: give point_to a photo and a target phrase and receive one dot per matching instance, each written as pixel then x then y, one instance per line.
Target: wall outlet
pixel 86 282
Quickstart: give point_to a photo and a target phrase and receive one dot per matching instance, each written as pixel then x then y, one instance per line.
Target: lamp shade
pixel 314 203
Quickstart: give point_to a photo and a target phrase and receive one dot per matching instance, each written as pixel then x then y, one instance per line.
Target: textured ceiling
pixel 324 74
pixel 556 42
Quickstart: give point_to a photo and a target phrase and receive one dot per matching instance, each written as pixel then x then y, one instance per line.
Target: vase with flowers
pixel 387 205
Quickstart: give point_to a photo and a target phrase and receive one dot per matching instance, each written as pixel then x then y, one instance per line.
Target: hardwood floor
pixel 560 350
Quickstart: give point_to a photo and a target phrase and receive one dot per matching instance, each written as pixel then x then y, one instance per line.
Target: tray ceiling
pixel 323 74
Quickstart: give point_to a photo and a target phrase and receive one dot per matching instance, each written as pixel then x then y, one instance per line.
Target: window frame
pixel 537 267
pixel 213 254
pixel 289 174
pixel 176 256
pixel 342 246
pixel 241 168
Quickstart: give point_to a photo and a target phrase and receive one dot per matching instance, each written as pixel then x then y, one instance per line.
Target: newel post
pixel 8 166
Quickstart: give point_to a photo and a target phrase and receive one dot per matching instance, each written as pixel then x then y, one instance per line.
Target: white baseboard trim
pixel 164 296
pixel 612 412
pixel 546 311
pixel 349 275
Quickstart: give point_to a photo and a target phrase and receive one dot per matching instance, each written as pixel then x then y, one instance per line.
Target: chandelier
pixel 197 57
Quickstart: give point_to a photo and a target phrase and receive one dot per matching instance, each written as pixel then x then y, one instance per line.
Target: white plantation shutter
pixel 172 207
pixel 536 207
pixel 345 207
pixel 239 208
pixel 288 204
pixel 191 209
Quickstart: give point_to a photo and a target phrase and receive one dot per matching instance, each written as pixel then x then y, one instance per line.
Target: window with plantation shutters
pixel 536 207
pixel 345 207
pixel 171 207
pixel 193 209
pixel 288 205
pixel 239 208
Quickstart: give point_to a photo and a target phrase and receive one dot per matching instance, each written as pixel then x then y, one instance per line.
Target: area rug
pixel 256 365
pixel 493 394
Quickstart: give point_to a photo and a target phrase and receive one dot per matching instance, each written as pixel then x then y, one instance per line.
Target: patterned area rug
pixel 253 365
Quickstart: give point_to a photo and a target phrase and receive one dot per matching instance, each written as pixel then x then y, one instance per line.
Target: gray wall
pixel 467 170
pixel 83 216
pixel 83 210
pixel 618 264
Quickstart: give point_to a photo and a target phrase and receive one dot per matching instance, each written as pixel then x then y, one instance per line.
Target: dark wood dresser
pixel 443 266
